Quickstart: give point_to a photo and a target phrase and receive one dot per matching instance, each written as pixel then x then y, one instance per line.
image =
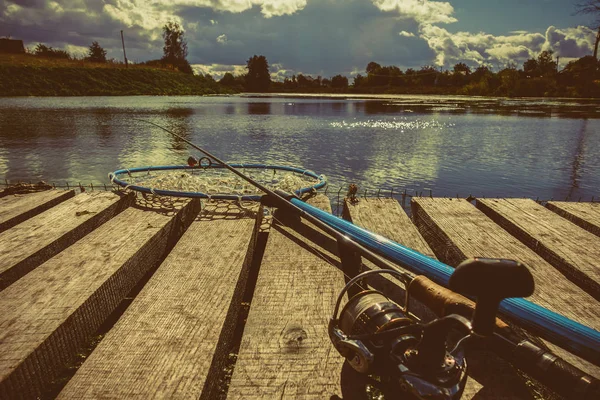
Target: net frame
pixel 113 176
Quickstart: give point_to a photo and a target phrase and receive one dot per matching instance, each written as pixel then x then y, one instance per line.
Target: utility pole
pixel 124 55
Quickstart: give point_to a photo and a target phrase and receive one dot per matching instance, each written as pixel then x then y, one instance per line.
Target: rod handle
pixel 443 301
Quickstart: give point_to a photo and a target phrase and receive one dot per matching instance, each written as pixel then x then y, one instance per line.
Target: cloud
pixel 316 37
pixel 217 71
pixel 279 72
pixel 79 51
pixel 327 38
pixel 273 8
pixel 483 48
pixel 422 11
pixel 222 39
pixel 570 42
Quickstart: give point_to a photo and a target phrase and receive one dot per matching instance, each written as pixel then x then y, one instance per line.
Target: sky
pixel 314 37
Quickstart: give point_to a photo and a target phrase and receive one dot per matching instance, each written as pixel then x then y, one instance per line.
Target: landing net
pixel 214 181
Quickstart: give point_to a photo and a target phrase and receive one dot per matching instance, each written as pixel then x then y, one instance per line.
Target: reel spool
pixel 378 336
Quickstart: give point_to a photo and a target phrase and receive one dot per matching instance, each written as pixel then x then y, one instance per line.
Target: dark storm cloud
pixel 66 23
pixel 319 37
pixel 323 38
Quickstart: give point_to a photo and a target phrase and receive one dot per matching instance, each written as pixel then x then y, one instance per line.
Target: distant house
pixel 11 46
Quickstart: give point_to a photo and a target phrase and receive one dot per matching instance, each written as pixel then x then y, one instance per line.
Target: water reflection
pixel 259 108
pixel 578 158
pixel 103 122
pixel 229 109
pixel 454 145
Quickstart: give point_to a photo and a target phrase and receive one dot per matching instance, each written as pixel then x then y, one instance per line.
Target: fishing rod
pixel 281 199
pixel 377 335
pixel 573 336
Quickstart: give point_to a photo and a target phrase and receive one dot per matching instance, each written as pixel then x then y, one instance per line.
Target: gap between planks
pixel 456 230
pixel 584 215
pixel 49 314
pixel 32 242
pixel 17 208
pixel 569 248
pixel 172 341
pixel 490 377
pixel 285 349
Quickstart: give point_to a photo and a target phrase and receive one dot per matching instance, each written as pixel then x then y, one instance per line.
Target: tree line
pixel 539 76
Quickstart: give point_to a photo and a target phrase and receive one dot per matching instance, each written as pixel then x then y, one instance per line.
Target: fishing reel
pixel 379 337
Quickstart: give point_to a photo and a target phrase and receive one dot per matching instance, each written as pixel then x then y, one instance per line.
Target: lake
pixel 546 148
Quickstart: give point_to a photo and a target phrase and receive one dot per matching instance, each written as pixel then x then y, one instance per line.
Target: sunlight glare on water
pixel 402 125
pixel 452 145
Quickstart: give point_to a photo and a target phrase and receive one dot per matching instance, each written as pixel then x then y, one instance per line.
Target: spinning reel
pixel 377 336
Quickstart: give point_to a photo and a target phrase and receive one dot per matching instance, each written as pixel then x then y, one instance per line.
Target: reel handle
pixel 554 372
pixel 490 280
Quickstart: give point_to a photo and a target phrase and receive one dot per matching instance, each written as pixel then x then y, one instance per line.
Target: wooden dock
pixel 213 300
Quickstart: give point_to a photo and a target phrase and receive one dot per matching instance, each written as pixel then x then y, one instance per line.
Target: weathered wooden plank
pixel 285 350
pixel 163 345
pixel 387 218
pixel 571 249
pixel 456 230
pixel 47 315
pixel 17 208
pixel 585 215
pixel 25 246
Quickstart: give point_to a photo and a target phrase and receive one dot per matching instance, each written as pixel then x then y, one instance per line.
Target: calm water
pixel 451 145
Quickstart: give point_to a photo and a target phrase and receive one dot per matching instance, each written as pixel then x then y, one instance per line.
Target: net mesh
pixel 214 181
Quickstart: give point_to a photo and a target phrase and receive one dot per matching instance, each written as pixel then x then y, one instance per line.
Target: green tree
pixel 427 75
pixel 359 80
pixel 372 67
pixel 546 63
pixel 258 78
pixel 228 79
pixel 591 7
pixel 339 82
pixel 96 53
pixel 462 68
pixel 582 75
pixel 530 68
pixel 41 50
pixel 175 49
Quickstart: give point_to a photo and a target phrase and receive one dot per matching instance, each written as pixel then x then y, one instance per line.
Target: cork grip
pixel 444 301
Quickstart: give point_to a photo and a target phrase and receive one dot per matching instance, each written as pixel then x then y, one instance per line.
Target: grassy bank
pixel 26 75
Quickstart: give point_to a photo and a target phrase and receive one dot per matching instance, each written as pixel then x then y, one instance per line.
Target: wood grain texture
pixel 285 350
pixel 163 345
pixel 27 245
pixel 17 208
pixel 572 250
pixel 584 215
pixel 387 218
pixel 47 315
pixel 456 230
